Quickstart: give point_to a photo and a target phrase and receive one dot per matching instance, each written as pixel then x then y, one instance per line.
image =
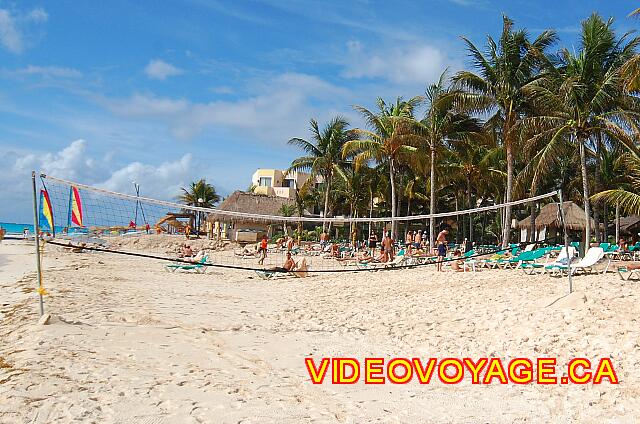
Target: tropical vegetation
pixel 527 117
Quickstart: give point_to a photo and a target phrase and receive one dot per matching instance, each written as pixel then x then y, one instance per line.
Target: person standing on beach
pixel 373 242
pixel 263 249
pixel 417 240
pixel 408 242
pixel 324 238
pixel 387 244
pixel 441 243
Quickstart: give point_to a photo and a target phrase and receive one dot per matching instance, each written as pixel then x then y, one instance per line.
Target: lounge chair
pixel 561 261
pixel 586 264
pixel 631 274
pixel 528 260
pixel 197 267
pixel 498 259
pixel 301 270
pixel 527 255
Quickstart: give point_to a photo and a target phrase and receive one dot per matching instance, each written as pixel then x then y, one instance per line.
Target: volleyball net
pixel 192 237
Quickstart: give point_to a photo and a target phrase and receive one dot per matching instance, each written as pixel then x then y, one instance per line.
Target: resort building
pixel 247 229
pixel 279 183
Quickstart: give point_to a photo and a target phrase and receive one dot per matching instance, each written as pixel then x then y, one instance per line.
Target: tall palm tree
pixel 442 123
pixel 584 99
pixel 200 193
pixel 323 153
pixel 506 67
pixel 391 137
pixel 353 187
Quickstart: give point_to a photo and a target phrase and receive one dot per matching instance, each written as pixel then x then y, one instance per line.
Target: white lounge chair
pixel 586 264
pixel 561 261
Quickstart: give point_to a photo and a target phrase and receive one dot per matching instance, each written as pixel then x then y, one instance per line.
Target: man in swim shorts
pixel 441 243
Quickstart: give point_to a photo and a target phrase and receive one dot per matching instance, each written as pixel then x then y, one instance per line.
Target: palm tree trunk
pixel 432 199
pixel 617 222
pixel 532 226
pixel 326 202
pixel 370 210
pixel 457 232
pixel 351 222
pixel 596 180
pixel 406 230
pixel 469 207
pixel 605 221
pixel 506 232
pixel 392 177
pixel 585 193
pixel 484 227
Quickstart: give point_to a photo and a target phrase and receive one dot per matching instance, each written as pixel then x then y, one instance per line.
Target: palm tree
pixel 442 123
pixel 201 194
pixel 353 188
pixel 507 66
pixel 584 99
pixel 323 153
pixel 626 196
pixel 390 139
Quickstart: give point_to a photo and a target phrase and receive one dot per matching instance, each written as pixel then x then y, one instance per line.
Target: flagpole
pixel 36 228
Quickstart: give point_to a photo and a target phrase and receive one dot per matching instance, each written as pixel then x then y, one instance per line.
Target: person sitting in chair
pixel 289 265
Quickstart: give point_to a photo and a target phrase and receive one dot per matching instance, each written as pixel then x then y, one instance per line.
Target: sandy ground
pixel 131 343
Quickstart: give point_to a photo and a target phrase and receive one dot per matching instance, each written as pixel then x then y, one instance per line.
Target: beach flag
pixel 75 207
pixel 46 213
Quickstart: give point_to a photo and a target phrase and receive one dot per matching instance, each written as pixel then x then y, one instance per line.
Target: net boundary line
pixel 296 219
pixel 338 270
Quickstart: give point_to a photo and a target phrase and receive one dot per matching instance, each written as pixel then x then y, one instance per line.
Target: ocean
pixel 13 228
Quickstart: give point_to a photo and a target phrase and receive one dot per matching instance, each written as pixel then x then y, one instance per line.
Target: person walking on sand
pixel 263 249
pixel 441 243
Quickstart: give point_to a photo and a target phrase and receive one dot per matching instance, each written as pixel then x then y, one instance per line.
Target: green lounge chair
pixel 629 274
pixel 198 267
pixel 527 260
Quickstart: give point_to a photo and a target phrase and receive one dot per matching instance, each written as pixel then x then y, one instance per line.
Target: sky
pixel 165 93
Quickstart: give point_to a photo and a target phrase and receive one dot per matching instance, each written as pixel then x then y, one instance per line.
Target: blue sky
pixel 167 92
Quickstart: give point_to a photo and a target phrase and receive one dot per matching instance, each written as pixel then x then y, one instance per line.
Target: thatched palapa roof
pixel 239 201
pixel 629 224
pixel 549 217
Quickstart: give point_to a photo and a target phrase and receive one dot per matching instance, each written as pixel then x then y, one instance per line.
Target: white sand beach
pixel 131 343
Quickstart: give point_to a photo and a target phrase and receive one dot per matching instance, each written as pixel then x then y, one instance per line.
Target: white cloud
pixel 280 109
pixel 69 163
pixel 10 37
pixel 49 71
pixel 141 105
pixel 38 15
pixel 410 64
pixel 158 181
pixel 75 162
pixel 12 27
pixel 161 70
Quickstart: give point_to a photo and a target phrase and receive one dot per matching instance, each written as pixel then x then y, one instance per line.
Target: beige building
pixel 275 182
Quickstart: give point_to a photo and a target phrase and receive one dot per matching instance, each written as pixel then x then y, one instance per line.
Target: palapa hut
pixel 170 223
pixel 548 223
pixel 229 227
pixel 629 225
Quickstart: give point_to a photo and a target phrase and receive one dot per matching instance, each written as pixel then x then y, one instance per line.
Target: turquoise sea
pixel 13 228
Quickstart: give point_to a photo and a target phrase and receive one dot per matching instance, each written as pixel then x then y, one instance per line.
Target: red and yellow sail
pixel 46 212
pixel 76 207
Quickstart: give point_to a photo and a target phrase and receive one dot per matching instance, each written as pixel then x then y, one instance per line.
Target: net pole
pixel 566 239
pixel 36 229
